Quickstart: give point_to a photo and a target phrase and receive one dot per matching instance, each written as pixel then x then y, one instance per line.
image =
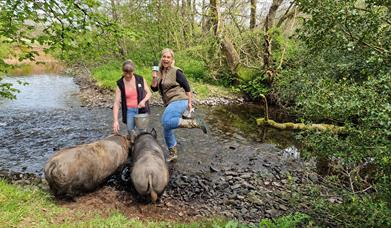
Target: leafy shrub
pixel 342 78
pixel 255 87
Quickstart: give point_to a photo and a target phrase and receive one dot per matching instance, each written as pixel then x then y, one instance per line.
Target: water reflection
pixel 239 122
pixel 42 92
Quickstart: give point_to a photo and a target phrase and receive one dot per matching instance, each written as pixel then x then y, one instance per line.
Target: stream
pixel 237 170
pixel 47 115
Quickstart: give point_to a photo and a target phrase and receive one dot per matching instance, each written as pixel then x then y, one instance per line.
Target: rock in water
pixel 82 168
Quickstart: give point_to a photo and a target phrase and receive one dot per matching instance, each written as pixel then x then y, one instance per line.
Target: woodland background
pixel 325 61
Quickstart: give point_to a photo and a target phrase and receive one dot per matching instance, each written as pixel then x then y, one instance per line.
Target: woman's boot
pixel 172 154
pixel 193 123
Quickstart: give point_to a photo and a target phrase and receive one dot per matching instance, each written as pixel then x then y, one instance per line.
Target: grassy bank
pixel 107 74
pixel 29 206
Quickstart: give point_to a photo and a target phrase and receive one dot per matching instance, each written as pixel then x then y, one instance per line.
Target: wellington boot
pixel 193 123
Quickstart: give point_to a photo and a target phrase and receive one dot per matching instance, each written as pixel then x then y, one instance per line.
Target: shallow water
pixel 47 116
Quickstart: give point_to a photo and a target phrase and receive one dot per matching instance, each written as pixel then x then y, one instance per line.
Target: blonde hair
pixel 167 50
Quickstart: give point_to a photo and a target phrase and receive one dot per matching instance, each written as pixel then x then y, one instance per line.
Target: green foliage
pixel 357 211
pixel 6 90
pixel 353 35
pixel 107 74
pixel 297 219
pixel 351 211
pixel 255 87
pixel 339 85
pixel 191 66
pixel 342 77
pixel 52 24
pixel 247 74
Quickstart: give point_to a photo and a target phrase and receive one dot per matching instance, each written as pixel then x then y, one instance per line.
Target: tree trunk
pixel 272 14
pixel 231 54
pixel 215 16
pixel 290 12
pixel 204 19
pixel 267 46
pixel 253 14
pixel 191 10
pixel 294 126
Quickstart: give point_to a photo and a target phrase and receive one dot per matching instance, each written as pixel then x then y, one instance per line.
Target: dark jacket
pixel 140 95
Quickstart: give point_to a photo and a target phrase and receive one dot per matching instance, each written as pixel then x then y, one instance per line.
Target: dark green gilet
pixel 171 90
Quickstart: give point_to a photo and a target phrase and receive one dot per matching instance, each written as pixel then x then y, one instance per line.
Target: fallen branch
pixel 298 126
pixel 294 126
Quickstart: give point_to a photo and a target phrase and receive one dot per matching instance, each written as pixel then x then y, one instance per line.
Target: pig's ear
pixel 153 133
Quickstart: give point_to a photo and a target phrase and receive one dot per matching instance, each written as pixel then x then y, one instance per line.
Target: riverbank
pixel 94 96
pixel 221 196
pixel 43 63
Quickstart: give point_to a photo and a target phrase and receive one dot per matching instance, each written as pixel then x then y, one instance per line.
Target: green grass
pixel 18 205
pixel 29 206
pixel 107 75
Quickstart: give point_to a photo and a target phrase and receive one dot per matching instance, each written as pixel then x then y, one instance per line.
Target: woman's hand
pixel 116 127
pixel 141 104
pixel 189 107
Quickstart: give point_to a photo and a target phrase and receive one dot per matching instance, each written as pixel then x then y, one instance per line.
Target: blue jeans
pixel 131 112
pixel 170 120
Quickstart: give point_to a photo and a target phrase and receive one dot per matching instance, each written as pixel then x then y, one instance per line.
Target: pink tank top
pixel 131 98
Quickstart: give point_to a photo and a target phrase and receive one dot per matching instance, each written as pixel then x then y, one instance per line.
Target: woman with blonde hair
pixel 177 98
pixel 132 93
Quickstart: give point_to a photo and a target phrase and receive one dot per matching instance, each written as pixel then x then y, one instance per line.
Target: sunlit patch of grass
pixel 204 90
pixel 30 204
pixel 107 74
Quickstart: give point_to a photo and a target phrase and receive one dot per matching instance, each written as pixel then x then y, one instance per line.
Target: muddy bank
pixel 232 193
pixel 238 183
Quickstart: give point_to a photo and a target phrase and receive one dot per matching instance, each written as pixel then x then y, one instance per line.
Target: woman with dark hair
pixel 177 98
pixel 132 93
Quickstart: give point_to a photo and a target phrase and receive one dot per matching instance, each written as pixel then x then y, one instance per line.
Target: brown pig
pixel 150 172
pixel 82 168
